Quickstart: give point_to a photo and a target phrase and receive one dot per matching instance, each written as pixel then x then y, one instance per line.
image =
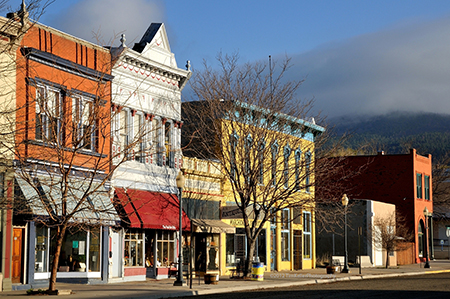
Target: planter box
pixel 211 278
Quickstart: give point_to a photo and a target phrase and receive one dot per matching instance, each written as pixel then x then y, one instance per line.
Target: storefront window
pixel 73 251
pixel 41 255
pixel 134 249
pixel 285 235
pixel 231 255
pixel 94 250
pixel 213 252
pixel 307 239
pixel 165 249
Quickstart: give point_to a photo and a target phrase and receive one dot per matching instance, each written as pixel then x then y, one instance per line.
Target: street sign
pixel 442 242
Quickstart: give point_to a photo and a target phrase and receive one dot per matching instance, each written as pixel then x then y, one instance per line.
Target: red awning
pixel 147 209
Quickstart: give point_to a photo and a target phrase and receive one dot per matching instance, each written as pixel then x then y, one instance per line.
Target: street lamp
pixel 426 214
pixel 345 204
pixel 180 185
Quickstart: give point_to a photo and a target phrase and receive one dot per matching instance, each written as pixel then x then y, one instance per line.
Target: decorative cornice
pixel 65 65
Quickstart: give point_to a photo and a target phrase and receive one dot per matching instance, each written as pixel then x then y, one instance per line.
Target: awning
pixel 43 197
pixel 145 209
pixel 212 226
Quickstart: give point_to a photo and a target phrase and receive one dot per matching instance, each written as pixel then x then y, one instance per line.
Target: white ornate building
pixel 146 128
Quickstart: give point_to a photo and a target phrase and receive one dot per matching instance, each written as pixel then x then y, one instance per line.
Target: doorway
pixel 116 254
pixel 297 249
pixel 17 255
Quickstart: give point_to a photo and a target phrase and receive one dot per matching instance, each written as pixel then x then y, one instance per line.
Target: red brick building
pixel 61 141
pixel 403 180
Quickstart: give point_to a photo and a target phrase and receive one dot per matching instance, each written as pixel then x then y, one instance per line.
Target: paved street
pixel 408 281
pixel 423 286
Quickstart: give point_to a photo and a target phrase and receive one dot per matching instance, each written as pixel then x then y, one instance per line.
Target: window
pixel 123 131
pixel 48 114
pixel 287 153
pixel 84 124
pixel 134 249
pixel 421 239
pixel 285 235
pixel 41 253
pixel 156 143
pixel 308 171
pixel 307 240
pixel 165 249
pixel 94 249
pixel 297 217
pixel 231 255
pixel 247 149
pixel 261 163
pixel 419 185
pixel 274 163
pixel 233 146
pixel 427 187
pixel 298 157
pixel 168 143
pixel 138 133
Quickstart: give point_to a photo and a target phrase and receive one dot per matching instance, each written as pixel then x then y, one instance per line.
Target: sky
pixel 357 57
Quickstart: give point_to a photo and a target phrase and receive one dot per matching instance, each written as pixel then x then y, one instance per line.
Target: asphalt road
pixel 423 286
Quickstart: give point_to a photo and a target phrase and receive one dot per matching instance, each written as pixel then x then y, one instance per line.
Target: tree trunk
pixel 59 239
pixel 250 252
pixel 387 259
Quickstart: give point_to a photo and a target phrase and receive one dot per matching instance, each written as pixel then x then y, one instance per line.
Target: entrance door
pixel 297 249
pixel 273 249
pixel 17 255
pixel 116 250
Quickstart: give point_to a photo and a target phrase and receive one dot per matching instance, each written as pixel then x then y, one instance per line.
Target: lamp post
pixel 345 204
pixel 426 214
pixel 180 185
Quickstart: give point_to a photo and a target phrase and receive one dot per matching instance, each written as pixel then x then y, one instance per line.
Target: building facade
pixel 146 132
pixel 263 163
pixel 403 180
pixel 361 218
pixel 61 158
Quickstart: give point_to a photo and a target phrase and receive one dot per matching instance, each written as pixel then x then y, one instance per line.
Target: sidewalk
pixel 165 289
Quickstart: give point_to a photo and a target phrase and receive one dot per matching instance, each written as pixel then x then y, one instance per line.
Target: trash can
pixel 258 271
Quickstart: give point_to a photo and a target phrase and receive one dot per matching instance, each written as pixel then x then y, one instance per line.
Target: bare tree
pixel 56 134
pixel 388 232
pixel 248 118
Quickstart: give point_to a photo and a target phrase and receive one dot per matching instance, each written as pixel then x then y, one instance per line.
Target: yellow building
pixel 267 162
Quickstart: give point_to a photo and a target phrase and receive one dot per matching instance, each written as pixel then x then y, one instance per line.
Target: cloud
pixel 109 19
pixel 403 68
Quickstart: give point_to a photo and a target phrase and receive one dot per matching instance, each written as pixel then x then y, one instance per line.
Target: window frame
pixel 307 235
pixel 79 104
pixel 285 235
pixel 286 153
pixel 427 187
pixel 419 191
pixel 273 166
pixel 43 121
pixel 308 160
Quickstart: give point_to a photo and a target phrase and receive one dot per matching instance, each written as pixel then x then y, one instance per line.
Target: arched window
pixel 287 153
pixel 274 163
pixel 247 149
pixel 421 238
pixel 233 145
pixel 261 149
pixel 307 171
pixel 298 157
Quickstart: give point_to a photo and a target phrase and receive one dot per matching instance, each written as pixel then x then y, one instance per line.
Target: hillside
pixel 397 132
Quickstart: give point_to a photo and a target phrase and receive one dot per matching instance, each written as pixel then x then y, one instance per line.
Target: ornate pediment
pixel 154 45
